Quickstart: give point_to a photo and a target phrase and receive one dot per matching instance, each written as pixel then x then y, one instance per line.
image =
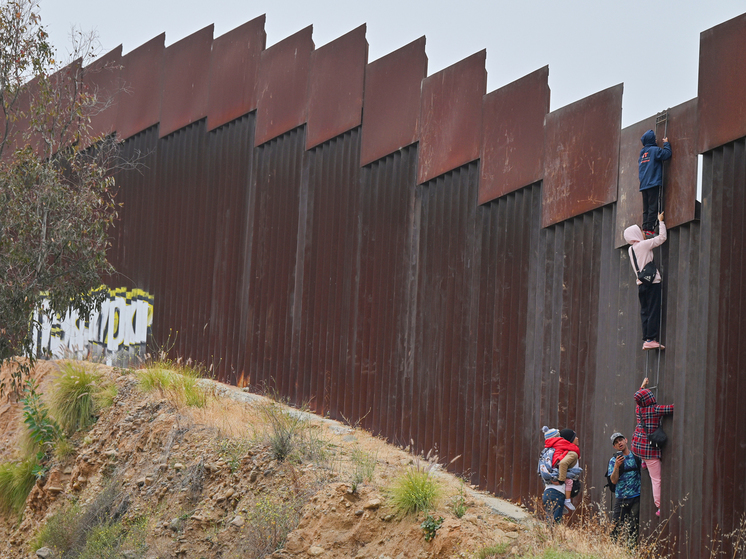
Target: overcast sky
pixel 652 47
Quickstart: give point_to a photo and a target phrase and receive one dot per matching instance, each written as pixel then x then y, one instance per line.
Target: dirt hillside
pixel 204 481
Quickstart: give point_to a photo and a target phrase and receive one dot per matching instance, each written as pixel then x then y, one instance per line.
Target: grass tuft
pixel 16 481
pixel 74 396
pixel 414 491
pixel 177 382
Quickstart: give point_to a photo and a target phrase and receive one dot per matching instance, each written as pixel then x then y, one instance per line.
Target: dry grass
pixel 230 418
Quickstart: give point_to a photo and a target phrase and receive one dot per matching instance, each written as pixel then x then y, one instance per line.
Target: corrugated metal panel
pixel 451 117
pixel 230 168
pixel 335 90
pixel 278 183
pixel 139 107
pixel 283 86
pixel 582 156
pixel 680 172
pixel 186 65
pixel 393 85
pixel 380 391
pixel 722 81
pixel 234 69
pixel 513 135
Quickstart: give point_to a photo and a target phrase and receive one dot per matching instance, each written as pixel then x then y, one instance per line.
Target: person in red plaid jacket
pixel 649 413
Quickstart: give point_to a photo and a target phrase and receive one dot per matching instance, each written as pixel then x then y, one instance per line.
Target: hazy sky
pixel 652 47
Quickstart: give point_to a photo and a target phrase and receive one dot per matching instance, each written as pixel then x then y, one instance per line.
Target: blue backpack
pixel 549 473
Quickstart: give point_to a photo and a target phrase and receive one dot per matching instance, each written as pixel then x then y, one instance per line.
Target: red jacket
pixel 561 448
pixel 651 413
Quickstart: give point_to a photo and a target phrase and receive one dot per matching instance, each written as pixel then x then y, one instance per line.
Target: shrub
pixel 73 398
pixel 414 491
pixel 42 430
pixel 16 481
pixel 289 434
pixel 272 518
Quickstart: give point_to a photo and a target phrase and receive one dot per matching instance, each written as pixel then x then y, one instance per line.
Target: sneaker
pixel 648 234
pixel 652 344
pixel 658 513
pixel 644 465
pixel 569 505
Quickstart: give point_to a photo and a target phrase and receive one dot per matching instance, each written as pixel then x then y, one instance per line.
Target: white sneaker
pixel 569 505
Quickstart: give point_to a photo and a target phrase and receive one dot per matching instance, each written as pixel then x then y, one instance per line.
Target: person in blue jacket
pixel 650 164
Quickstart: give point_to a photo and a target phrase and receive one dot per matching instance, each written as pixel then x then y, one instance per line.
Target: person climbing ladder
pixel 648 280
pixel 650 165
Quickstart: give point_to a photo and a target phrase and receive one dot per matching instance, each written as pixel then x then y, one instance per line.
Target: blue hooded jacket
pixel 651 161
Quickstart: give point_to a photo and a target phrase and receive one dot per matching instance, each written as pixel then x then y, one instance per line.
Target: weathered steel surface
pixel 379 394
pixel 283 86
pixel 451 117
pixel 102 79
pixel 513 135
pixel 234 69
pixel 230 166
pixel 680 172
pixel 185 87
pixel 335 90
pixel 393 85
pixel 722 82
pixel 142 74
pixel 581 156
pixel 274 221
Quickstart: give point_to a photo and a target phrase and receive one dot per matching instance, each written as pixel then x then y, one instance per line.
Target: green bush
pixel 16 481
pixel 414 491
pixel 73 397
pixel 42 430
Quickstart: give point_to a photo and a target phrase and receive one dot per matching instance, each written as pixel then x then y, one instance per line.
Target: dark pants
pixel 650 208
pixel 650 309
pixel 626 517
pixel 554 504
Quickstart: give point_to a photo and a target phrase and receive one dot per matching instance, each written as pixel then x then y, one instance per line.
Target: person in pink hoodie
pixel 649 294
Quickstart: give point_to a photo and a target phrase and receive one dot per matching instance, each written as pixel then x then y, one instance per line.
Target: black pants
pixel 626 517
pixel 650 208
pixel 650 309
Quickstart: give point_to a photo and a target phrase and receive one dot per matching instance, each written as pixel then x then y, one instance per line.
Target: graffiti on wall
pixel 116 333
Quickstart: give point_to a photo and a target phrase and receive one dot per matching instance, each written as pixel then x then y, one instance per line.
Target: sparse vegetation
pixel 289 434
pixel 16 481
pixel 415 491
pixel 176 381
pixel 270 519
pixel 493 551
pixel 363 467
pixel 74 396
pixel 459 503
pixel 97 531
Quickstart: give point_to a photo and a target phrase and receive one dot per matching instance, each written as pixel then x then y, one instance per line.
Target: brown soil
pixel 199 473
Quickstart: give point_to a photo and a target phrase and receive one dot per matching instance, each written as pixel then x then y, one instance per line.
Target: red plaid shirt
pixel 649 412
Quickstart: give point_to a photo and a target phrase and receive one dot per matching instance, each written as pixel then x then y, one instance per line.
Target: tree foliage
pixel 56 186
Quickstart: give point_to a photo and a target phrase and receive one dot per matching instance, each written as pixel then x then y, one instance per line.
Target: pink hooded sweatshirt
pixel 643 248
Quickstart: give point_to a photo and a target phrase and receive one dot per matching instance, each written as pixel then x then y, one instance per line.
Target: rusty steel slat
pixel 282 86
pixel 722 81
pixel 186 67
pixel 582 156
pixel 142 75
pixel 392 101
pixel 102 79
pixel 451 117
pixel 335 89
pixel 234 69
pixel 513 135
pixel 680 172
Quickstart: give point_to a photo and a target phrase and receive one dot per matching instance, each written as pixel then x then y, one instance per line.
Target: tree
pixel 56 185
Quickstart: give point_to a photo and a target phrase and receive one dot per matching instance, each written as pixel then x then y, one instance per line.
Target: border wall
pixel 442 264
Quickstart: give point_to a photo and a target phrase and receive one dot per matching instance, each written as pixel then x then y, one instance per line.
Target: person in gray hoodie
pixel 649 294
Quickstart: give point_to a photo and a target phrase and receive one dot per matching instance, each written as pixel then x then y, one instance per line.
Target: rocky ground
pixel 202 482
